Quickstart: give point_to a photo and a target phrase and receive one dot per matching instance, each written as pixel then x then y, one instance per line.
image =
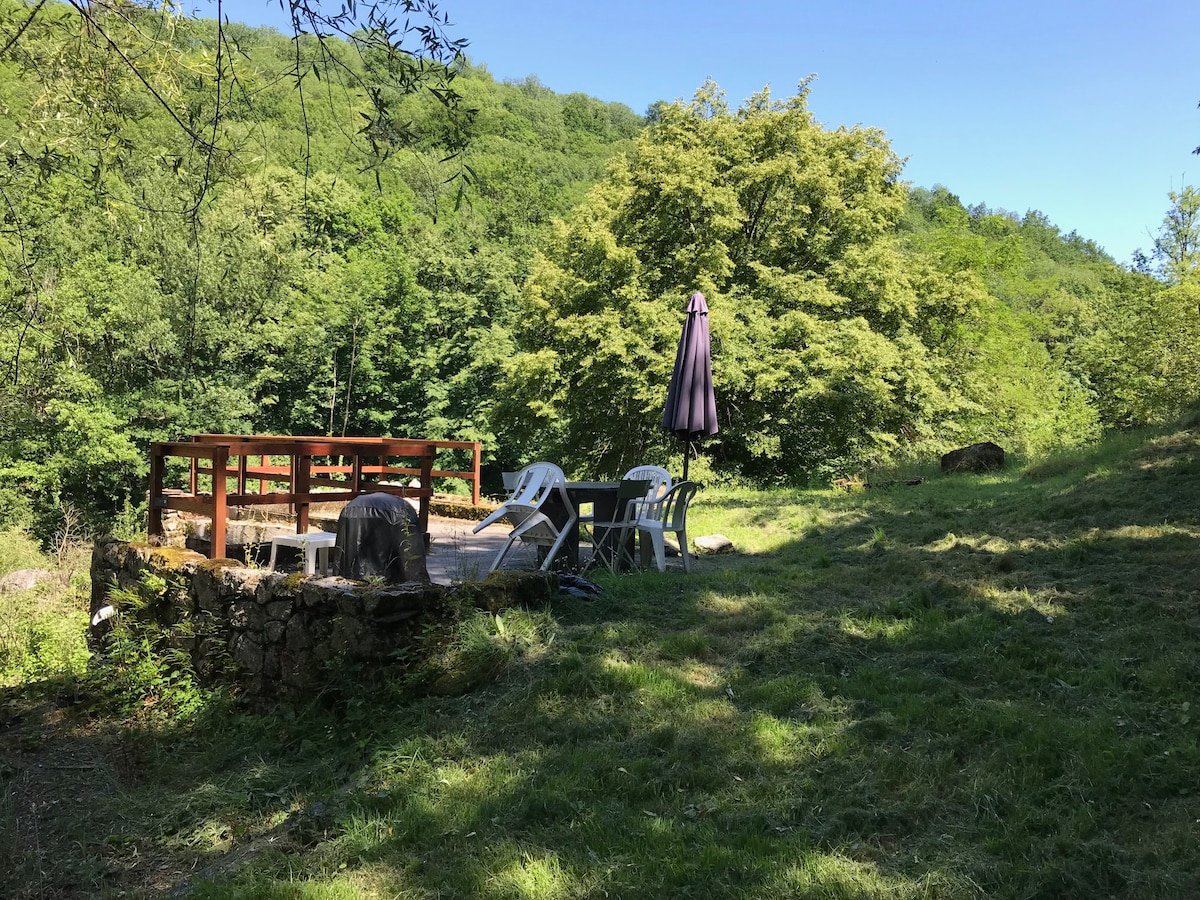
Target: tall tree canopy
pixel 290 281
pixel 191 239
pixel 833 346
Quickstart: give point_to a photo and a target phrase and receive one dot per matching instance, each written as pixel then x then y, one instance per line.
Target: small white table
pixel 315 546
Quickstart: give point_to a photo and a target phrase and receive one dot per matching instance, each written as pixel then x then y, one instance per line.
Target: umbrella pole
pixel 687 455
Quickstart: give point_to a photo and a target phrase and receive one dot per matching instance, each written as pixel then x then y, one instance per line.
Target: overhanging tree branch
pixel 33 13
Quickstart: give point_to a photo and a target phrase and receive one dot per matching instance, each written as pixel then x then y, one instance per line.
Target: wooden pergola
pixel 225 471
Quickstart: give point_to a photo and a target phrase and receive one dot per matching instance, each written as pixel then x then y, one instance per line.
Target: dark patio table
pixel 603 496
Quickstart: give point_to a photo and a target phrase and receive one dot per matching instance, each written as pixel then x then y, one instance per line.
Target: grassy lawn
pixel 978 686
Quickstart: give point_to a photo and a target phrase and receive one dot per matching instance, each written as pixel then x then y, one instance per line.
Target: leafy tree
pixel 1137 349
pixel 1177 247
pixel 786 228
pixel 193 240
pixel 839 337
pixel 1142 360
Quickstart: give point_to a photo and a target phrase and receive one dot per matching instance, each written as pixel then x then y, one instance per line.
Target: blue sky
pixel 1086 111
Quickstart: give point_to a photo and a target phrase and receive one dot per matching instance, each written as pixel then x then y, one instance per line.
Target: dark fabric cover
pixel 373 533
pixel 691 408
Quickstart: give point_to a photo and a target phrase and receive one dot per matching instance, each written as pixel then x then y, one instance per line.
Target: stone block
pixel 278 610
pixel 246 615
pixel 297 637
pixel 400 601
pixel 247 654
pixel 713 543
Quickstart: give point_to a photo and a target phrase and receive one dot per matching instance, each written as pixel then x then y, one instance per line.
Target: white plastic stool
pixel 315 546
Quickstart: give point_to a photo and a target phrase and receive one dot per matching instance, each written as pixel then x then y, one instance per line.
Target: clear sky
pixel 1086 111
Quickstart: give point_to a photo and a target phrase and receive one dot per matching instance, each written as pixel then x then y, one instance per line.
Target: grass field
pixel 978 686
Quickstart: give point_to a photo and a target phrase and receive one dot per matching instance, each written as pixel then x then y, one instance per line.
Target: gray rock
pixel 713 543
pixel 298 637
pixel 247 615
pixel 247 654
pixel 25 580
pixel 279 610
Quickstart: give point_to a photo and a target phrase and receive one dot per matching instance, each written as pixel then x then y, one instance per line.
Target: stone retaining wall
pixel 274 634
pixel 278 635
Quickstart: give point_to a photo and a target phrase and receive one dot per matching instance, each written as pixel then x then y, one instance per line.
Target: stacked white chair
pixel 536 484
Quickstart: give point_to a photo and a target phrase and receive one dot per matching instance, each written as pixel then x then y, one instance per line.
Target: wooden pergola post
pixel 301 488
pixel 220 463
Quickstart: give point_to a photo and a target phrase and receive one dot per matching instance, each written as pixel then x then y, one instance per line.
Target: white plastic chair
pixel 670 514
pixel 535 484
pixel 660 483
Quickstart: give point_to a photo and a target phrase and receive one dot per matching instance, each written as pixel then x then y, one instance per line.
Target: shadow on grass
pixel 978 686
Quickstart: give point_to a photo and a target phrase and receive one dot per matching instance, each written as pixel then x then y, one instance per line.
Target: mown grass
pixel 979 686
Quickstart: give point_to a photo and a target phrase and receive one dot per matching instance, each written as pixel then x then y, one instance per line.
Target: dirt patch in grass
pixel 59 777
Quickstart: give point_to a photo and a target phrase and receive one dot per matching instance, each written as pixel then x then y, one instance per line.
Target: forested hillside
pixel 854 317
pixel 516 273
pixel 295 285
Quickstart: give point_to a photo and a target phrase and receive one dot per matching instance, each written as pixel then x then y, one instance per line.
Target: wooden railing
pixel 471 475
pixel 366 464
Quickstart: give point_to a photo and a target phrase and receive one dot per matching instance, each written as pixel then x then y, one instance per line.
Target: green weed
pixel 42 629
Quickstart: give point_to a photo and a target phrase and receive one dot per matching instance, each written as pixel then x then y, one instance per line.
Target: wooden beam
pixel 220 460
pixel 154 520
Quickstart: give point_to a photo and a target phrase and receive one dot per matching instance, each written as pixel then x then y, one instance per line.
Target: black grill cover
pixel 376 533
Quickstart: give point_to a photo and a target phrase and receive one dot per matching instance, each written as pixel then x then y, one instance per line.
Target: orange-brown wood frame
pixel 368 465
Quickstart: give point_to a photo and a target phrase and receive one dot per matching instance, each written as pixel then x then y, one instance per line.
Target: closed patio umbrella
pixel 691 410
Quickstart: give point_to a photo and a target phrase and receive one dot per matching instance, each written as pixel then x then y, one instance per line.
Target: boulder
pixel 25 580
pixel 983 457
pixel 713 543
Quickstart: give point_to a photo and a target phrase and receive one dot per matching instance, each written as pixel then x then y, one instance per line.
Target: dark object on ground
pixel 911 482
pixel 379 535
pixel 579 587
pixel 984 457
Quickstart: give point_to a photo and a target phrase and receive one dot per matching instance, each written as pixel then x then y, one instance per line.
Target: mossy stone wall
pixel 276 634
pixel 271 632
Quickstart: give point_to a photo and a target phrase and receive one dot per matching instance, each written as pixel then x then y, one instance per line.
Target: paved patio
pixel 456 555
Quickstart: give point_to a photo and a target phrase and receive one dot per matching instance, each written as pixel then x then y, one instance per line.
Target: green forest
pixel 232 230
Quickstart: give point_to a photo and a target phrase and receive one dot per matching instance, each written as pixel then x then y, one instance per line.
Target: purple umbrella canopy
pixel 691 410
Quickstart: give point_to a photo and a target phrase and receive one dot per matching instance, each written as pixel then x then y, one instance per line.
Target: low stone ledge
pixel 275 632
pixel 272 633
